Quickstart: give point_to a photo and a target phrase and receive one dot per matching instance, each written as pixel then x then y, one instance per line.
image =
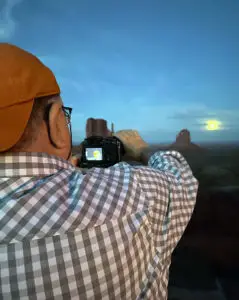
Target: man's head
pixel 32 115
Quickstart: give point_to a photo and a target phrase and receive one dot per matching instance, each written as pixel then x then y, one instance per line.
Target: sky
pixel 150 65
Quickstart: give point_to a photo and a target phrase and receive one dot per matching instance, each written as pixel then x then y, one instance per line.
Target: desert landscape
pixel 205 263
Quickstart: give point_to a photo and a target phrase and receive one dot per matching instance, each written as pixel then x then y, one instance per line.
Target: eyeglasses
pixel 67 111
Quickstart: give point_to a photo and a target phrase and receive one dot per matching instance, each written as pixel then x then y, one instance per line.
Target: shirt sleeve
pixel 171 189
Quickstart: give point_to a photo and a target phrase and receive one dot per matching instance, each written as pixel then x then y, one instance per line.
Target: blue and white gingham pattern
pixel 106 234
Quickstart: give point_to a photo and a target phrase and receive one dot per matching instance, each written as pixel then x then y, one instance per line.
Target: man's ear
pixel 57 125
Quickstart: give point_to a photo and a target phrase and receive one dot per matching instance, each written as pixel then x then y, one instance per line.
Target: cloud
pixel 228 118
pixel 7 22
pixel 188 114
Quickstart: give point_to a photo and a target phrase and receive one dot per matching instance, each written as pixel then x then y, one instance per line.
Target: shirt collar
pixel 31 164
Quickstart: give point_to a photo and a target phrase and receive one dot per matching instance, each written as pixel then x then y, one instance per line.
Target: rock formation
pixel 97 127
pixel 183 138
pixel 183 141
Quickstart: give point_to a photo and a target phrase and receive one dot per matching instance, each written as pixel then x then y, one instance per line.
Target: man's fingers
pixel 74 160
pixel 132 141
pixel 128 134
pixel 123 136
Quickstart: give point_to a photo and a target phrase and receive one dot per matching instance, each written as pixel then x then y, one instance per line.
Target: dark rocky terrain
pixel 205 264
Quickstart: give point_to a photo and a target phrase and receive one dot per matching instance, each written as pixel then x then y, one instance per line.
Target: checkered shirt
pixel 99 234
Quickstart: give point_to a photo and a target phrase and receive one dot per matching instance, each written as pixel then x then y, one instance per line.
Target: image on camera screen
pixel 94 154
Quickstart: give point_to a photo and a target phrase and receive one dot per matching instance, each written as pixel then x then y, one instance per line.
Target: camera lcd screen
pixel 94 154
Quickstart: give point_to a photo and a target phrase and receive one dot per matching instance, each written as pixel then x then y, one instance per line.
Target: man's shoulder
pixel 119 168
pixel 123 174
pixel 113 171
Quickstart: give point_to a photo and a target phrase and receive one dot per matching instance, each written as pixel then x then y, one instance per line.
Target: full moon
pixel 213 125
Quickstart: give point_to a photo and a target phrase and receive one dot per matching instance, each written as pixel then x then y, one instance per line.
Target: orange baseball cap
pixel 23 78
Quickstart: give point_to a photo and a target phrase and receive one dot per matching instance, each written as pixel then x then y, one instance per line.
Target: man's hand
pixel 74 161
pixel 133 143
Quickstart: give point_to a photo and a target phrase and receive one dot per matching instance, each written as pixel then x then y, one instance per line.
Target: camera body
pixel 101 152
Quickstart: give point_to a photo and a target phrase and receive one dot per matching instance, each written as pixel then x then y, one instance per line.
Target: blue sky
pixel 155 66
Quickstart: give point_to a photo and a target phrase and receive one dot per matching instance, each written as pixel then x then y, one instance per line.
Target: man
pixel 105 234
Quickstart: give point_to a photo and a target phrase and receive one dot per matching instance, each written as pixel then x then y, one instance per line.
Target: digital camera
pixel 101 152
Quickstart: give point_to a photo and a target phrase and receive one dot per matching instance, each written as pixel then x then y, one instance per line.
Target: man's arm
pixel 171 188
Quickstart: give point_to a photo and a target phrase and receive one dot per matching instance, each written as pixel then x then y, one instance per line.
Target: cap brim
pixel 14 120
